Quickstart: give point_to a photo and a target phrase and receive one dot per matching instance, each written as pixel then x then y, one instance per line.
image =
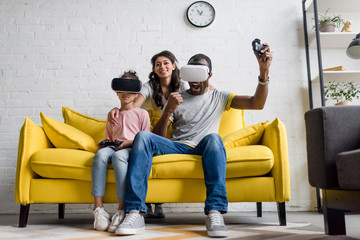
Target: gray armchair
pixel 333 152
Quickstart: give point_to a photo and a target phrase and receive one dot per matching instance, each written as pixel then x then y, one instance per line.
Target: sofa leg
pixel 334 221
pixel 24 214
pixel 259 209
pixel 61 210
pixel 281 213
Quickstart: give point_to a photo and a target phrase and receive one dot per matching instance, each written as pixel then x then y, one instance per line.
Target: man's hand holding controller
pixel 264 57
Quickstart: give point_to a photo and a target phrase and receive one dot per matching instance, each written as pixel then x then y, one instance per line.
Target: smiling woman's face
pixel 163 67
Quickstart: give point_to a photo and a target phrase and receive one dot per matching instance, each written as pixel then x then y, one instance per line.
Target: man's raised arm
pixel 258 100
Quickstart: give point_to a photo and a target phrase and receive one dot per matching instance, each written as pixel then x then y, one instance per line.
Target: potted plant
pixel 342 93
pixel 328 23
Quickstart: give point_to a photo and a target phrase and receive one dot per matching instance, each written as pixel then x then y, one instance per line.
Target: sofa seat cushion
pixel 65 164
pixel 245 161
pixel 348 169
pixel 249 161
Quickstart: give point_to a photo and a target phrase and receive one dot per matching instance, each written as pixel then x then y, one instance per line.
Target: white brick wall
pixel 65 53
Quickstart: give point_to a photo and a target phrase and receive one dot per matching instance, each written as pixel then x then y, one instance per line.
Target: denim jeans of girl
pixel 119 160
pixel 146 145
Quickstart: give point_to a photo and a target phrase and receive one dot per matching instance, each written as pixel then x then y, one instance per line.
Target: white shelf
pixel 332 39
pixel 338 6
pixel 341 76
pixel 348 9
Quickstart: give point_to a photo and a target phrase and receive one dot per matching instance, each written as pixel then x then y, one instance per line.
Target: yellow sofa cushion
pixel 231 120
pixel 249 135
pixel 65 164
pixel 249 161
pixel 246 161
pixel 63 135
pixel 92 126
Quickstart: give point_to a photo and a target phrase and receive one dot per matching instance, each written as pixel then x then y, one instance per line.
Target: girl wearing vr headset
pixel 132 119
pixel 163 80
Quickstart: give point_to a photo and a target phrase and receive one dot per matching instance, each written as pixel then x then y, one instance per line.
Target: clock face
pixel 201 14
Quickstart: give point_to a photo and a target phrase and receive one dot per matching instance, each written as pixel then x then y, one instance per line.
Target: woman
pixel 163 80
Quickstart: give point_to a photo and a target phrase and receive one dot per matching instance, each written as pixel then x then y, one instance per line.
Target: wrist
pixel 263 81
pixel 168 112
pixel 264 73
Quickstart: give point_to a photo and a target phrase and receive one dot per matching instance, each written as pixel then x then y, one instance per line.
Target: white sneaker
pixel 101 222
pixel 116 219
pixel 215 225
pixel 132 223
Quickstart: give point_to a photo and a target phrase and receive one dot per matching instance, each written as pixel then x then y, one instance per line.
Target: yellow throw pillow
pixel 231 120
pixel 63 135
pixel 249 135
pixel 92 126
pixel 154 119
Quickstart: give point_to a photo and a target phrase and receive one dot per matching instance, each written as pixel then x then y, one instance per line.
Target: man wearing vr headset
pixel 195 115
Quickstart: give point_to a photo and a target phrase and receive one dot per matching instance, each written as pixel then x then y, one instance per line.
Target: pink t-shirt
pixel 130 122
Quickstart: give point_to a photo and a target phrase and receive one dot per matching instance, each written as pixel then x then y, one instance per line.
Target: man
pixel 195 115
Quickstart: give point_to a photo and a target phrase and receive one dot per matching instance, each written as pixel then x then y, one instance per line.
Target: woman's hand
pixel 113 116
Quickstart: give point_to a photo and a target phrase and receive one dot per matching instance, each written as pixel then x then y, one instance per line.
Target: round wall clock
pixel 200 14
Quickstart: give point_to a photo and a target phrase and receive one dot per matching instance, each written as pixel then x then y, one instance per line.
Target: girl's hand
pixel 99 143
pixel 126 144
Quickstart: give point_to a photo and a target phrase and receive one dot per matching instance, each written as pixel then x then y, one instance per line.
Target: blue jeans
pixel 119 160
pixel 146 145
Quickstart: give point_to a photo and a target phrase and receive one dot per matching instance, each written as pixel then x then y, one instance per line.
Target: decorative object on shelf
pixel 347 26
pixel 342 92
pixel 353 51
pixel 200 14
pixel 339 68
pixel 328 24
pixel 342 103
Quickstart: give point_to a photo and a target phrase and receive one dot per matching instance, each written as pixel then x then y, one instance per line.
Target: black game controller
pixel 257 46
pixel 107 143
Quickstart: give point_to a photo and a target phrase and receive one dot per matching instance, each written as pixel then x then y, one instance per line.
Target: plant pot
pixel 327 27
pixel 342 103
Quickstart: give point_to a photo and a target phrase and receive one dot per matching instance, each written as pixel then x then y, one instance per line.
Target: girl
pixel 131 119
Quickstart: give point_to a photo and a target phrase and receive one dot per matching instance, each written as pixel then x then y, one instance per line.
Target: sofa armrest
pixel 275 138
pixel 32 138
pixel 329 131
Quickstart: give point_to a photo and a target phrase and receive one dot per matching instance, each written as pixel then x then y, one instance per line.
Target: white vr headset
pixel 194 73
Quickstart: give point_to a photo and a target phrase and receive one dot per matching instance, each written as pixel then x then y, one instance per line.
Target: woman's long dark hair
pixel 155 81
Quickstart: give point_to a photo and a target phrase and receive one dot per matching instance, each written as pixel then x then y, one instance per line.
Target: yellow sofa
pixel 54 165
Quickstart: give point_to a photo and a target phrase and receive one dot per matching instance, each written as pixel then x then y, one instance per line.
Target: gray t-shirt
pixel 198 116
